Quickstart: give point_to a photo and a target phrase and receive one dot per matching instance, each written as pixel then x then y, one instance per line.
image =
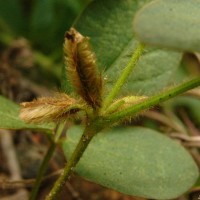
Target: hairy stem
pixel 122 79
pixel 87 136
pixel 154 100
pixel 99 123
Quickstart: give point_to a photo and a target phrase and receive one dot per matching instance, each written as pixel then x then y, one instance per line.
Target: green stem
pixel 123 78
pixel 98 124
pixel 152 101
pixel 87 136
pixel 42 170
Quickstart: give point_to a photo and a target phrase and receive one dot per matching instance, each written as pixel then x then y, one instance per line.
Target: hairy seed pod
pixel 124 103
pixel 49 109
pixel 81 67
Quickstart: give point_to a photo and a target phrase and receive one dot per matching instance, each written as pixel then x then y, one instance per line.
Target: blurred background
pixel 32 33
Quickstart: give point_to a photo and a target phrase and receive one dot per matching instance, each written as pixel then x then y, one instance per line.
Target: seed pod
pixel 82 69
pixel 124 103
pixel 51 109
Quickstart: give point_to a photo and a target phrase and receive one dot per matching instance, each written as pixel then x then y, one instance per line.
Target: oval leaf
pixel 135 161
pixel 108 24
pixel 9 117
pixel 172 23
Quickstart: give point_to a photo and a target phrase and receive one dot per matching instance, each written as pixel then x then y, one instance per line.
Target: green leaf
pixel 154 71
pixel 75 5
pixel 9 117
pixel 108 23
pixel 135 161
pixel 172 23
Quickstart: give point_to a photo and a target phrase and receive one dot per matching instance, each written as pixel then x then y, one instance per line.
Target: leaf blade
pixel 172 24
pixel 9 117
pixel 125 159
pixel 108 23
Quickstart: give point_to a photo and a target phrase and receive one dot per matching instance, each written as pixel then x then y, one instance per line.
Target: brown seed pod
pixel 81 68
pixel 51 109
